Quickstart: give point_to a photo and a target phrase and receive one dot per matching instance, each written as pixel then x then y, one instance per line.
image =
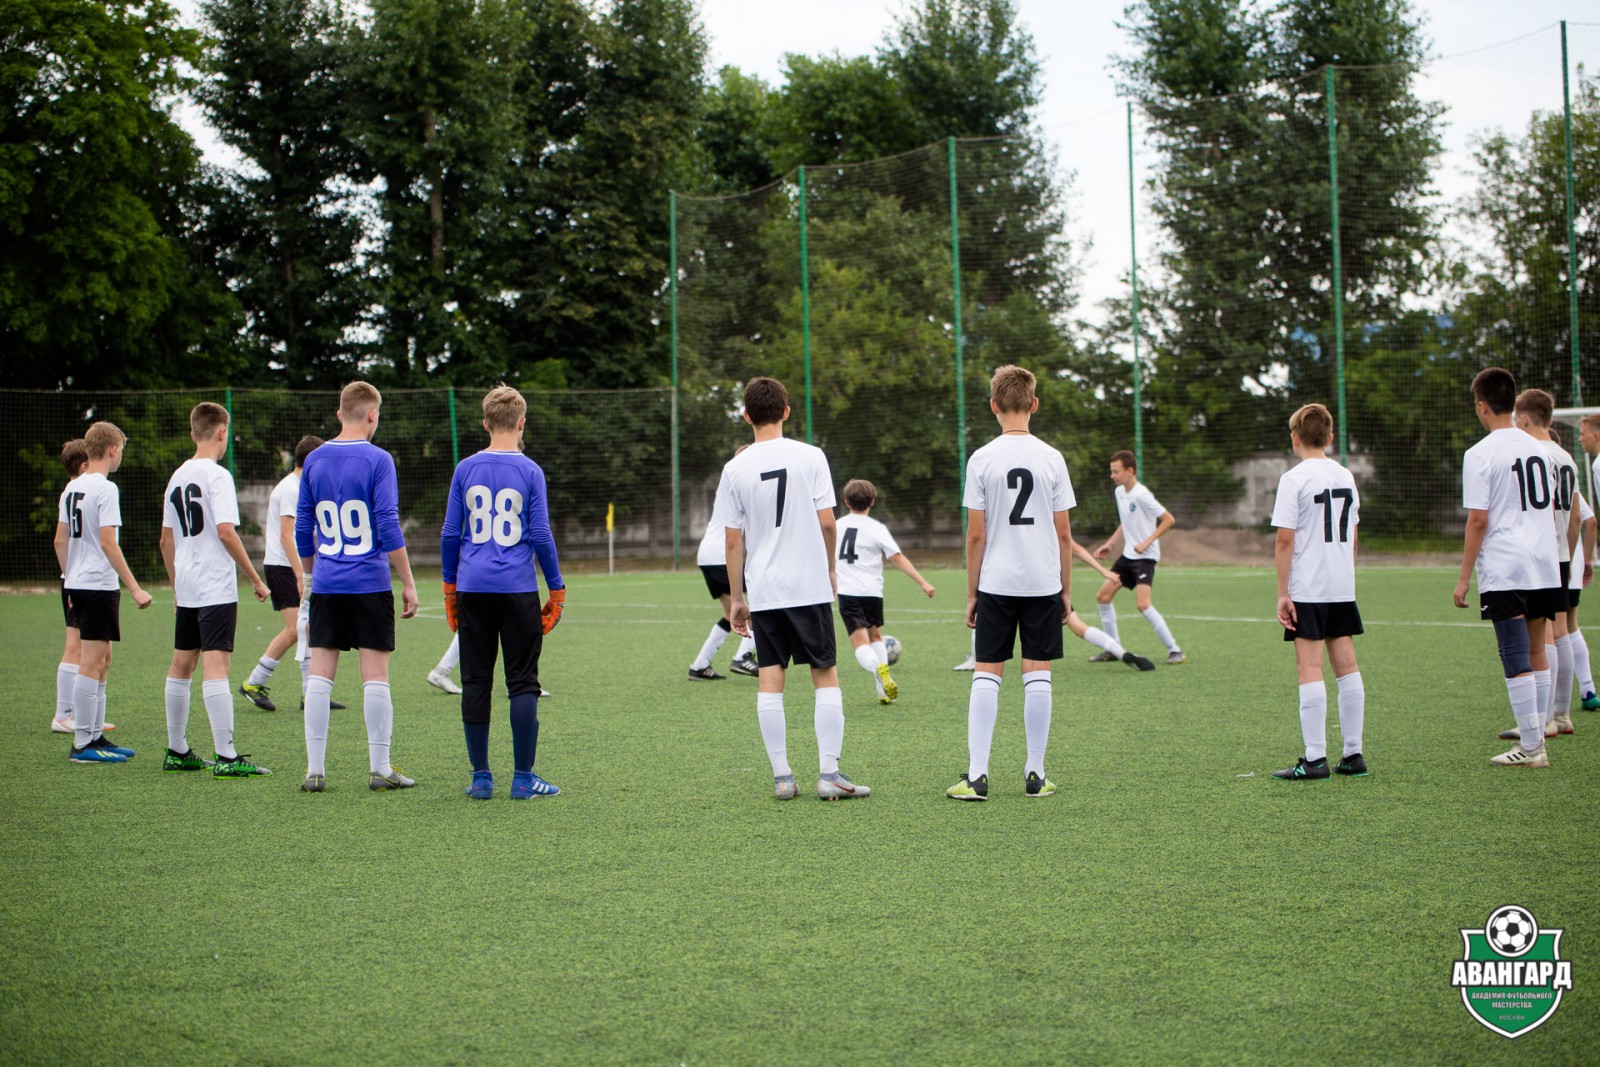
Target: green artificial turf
pixel 1172 903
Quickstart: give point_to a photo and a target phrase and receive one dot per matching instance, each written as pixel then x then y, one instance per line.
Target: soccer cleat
pixel 1352 765
pixel 968 664
pixel 783 786
pixel 745 665
pixel 1550 728
pixel 1175 658
pixel 90 754
pixel 1305 770
pixel 314 783
pixel 543 692
pixel 107 727
pixel 106 746
pixel 1590 702
pixel 63 726
pixel 1564 723
pixel 1137 662
pixel 393 780
pixel 238 766
pixel 705 674
pixel 1512 734
pixel 333 705
pixel 183 761
pixel 967 789
pixel 257 695
pixel 442 680
pixel 886 700
pixel 525 785
pixel 1037 786
pixel 1104 657
pixel 836 786
pixel 482 787
pixel 1521 757
pixel 890 689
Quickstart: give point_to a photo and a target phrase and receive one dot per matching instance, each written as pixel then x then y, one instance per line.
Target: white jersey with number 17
pixel 1019 483
pixel 1317 499
pixel 772 492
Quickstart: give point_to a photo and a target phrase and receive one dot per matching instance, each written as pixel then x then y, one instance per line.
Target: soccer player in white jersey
pixel 200 545
pixel 712 558
pixel 287 583
pixel 75 458
pixel 1019 578
pixel 1141 522
pixel 1316 513
pixel 864 545
pixel 1532 415
pixel 775 501
pixel 1582 575
pixel 1506 489
pixel 1589 439
pixel 90 519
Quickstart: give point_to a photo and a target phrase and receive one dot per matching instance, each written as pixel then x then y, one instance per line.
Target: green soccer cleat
pixel 258 695
pixel 1305 770
pixel 1352 765
pixel 890 689
pixel 966 789
pixel 393 780
pixel 237 767
pixel 183 761
pixel 1038 786
pixel 1590 702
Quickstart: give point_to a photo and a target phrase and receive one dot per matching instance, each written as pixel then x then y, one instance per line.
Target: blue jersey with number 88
pixel 497 522
pixel 348 517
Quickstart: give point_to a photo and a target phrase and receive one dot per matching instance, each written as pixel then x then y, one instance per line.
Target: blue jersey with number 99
pixel 497 522
pixel 348 517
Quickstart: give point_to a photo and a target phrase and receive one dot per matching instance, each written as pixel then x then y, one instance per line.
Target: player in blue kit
pixel 496 524
pixel 347 531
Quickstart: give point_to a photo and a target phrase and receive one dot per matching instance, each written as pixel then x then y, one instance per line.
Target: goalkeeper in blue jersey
pixel 495 525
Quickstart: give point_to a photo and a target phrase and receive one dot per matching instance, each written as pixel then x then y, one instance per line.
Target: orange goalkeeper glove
pixel 450 615
pixel 553 608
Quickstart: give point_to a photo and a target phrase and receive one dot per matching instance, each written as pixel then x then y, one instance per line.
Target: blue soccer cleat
pixel 106 746
pixel 90 754
pixel 525 785
pixel 482 787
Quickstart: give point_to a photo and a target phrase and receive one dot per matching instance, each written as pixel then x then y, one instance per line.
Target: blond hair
pixel 1590 422
pixel 206 418
pixel 1313 424
pixel 503 408
pixel 101 438
pixel 1012 389
pixel 1538 405
pixel 356 399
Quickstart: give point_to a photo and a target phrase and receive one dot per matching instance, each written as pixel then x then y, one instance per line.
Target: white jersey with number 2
pixel 772 492
pixel 1019 483
pixel 1317 499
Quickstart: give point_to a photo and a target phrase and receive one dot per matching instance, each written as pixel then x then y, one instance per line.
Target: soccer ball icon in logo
pixel 1511 931
pixel 891 645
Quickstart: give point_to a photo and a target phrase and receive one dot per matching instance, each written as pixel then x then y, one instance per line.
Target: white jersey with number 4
pixel 1563 487
pixel 199 496
pixel 89 504
pixel 1507 475
pixel 864 543
pixel 1019 483
pixel 1139 512
pixel 772 492
pixel 1317 499
pixel 284 499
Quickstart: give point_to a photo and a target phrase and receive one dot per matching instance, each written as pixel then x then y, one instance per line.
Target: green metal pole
pixel 1338 265
pixel 672 290
pixel 805 305
pixel 227 402
pixel 1133 259
pixel 455 433
pixel 961 340
pixel 1572 232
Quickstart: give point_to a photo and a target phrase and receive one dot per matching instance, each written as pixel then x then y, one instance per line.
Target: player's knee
pixel 1104 596
pixel 1511 635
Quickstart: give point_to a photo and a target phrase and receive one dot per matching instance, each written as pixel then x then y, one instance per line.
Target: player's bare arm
pixel 1477 527
pixel 400 560
pixel 1163 524
pixel 286 537
pixel 1088 557
pixel 169 556
pixel 119 563
pixel 830 537
pixel 1283 553
pixel 1588 552
pixel 228 534
pixel 903 565
pixel 1064 542
pixel 739 610
pixel 975 543
pixel 1109 544
pixel 63 534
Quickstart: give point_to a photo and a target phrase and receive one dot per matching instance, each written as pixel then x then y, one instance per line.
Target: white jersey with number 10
pixel 1507 475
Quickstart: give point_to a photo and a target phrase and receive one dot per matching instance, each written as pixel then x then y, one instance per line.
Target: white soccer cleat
pixel 1564 723
pixel 63 726
pixel 838 787
pixel 1550 728
pixel 968 664
pixel 442 680
pixel 783 786
pixel 1521 757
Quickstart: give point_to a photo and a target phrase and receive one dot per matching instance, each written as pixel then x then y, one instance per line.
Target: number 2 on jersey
pixel 1326 499
pixel 782 474
pixel 345 529
pixel 1020 477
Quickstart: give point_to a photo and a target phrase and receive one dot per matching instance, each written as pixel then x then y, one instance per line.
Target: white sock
pixel 774 732
pixel 747 645
pixel 829 721
pixel 261 674
pixel 881 650
pixel 378 708
pixel 319 693
pixel 1036 701
pixel 1525 709
pixel 1561 690
pixel 1159 625
pixel 1580 663
pixel 1314 719
pixel 66 678
pixel 219 709
pixel 100 712
pixel 1104 641
pixel 1108 620
pixel 1542 694
pixel 983 708
pixel 451 657
pixel 302 636
pixel 713 642
pixel 178 715
pixel 85 708
pixel 869 663
pixel 1352 711
pixel 305 675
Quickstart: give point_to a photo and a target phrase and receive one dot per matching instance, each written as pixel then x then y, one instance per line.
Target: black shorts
pixel 1323 622
pixel 488 624
pixel 67 614
pixel 860 612
pixel 97 612
pixel 716 575
pixel 1000 617
pixel 210 629
pixel 1510 603
pixel 281 584
pixel 1132 572
pixel 801 635
pixel 351 620
pixel 1572 598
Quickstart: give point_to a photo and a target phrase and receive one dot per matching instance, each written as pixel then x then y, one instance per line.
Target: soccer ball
pixel 1511 931
pixel 891 645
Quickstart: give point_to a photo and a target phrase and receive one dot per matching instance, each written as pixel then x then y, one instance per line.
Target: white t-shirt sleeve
pixel 821 484
pixel 224 500
pixel 973 498
pixel 1286 508
pixel 1585 512
pixel 888 544
pixel 1475 482
pixel 111 506
pixel 1150 505
pixel 1062 498
pixel 728 511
